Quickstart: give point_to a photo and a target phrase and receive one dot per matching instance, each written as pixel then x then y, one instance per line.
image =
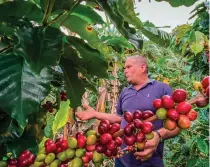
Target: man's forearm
pixel 111 117
pixel 165 134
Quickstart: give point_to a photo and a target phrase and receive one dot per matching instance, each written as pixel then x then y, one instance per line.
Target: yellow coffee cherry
pixel 197 86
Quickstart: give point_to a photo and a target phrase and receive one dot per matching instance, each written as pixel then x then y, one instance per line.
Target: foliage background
pixel 43 53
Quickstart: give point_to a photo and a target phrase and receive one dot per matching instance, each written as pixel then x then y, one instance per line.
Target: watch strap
pixel 161 139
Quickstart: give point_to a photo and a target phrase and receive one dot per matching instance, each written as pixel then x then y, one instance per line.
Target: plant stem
pixel 119 133
pixel 5 48
pixel 71 10
pixel 108 23
pixel 197 133
pixel 56 18
pixel 48 11
pixel 151 119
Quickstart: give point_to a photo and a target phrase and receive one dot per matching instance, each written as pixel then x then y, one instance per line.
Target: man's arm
pixel 165 134
pixel 90 113
pixel 111 117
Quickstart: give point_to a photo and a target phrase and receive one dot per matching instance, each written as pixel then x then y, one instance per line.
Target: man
pixel 138 96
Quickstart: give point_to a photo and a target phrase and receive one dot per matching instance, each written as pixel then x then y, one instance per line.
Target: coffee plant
pixel 53 51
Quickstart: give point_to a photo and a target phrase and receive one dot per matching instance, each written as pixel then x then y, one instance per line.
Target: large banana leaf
pixel 19 9
pixel 88 14
pixel 126 9
pixel 118 43
pixel 177 3
pixel 40 47
pixel 85 31
pixel 122 25
pixel 21 90
pixel 156 35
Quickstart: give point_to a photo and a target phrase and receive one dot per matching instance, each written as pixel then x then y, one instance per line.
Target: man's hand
pixel 150 147
pixel 89 113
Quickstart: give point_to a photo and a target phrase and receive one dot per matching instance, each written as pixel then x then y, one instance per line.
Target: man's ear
pixel 144 67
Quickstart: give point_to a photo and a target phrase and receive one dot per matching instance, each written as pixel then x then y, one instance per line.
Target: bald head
pixel 139 60
pixel 136 70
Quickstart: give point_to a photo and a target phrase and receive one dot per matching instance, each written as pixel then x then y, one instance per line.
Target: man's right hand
pixel 89 113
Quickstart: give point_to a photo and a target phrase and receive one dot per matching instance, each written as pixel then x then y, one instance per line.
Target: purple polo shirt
pixel 130 100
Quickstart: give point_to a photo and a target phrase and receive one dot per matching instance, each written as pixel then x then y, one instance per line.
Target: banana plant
pixel 179 3
pixel 35 38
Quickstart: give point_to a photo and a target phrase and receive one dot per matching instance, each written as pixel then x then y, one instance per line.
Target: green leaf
pixel 85 65
pixel 161 61
pixel 9 129
pixel 177 3
pixel 85 31
pixel 154 34
pixel 26 142
pixel 73 84
pixel 41 47
pixel 181 30
pixel 122 26
pixel 202 145
pixel 42 143
pixel 61 116
pixel 192 162
pixel 88 14
pixel 37 2
pixel 48 128
pixel 3 1
pixel 5 29
pixel 118 43
pixel 21 90
pixel 19 9
pixel 58 4
pixel 36 123
pixel 203 162
pixel 91 59
pixel 126 9
pixel 197 40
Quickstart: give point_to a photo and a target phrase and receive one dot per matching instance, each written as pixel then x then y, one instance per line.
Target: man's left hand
pixel 150 147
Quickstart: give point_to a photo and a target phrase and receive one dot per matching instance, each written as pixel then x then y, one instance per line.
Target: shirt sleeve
pixel 119 105
pixel 167 90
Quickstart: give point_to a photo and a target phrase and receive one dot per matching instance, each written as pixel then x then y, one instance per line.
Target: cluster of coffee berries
pixel 138 131
pixel 205 84
pixel 48 106
pixel 25 159
pixel 175 110
pixel 79 150
pixel 63 96
pixel 107 144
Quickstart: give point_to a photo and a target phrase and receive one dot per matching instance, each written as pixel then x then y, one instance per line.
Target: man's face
pixel 133 70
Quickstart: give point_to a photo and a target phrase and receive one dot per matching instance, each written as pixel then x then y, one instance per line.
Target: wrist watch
pixel 160 137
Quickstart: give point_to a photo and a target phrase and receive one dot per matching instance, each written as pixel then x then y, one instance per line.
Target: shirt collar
pixel 150 81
